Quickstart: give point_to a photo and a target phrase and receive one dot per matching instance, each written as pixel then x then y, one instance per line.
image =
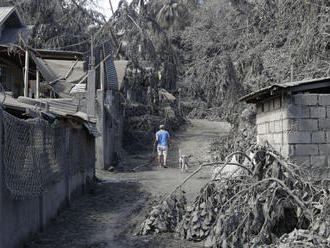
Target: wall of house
pixel 298 127
pixel 19 218
pixel 12 79
pixel 110 126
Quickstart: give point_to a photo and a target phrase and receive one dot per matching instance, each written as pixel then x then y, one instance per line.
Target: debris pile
pixel 265 201
pixel 165 216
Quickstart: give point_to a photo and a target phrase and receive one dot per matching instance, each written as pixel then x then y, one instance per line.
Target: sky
pixel 105 6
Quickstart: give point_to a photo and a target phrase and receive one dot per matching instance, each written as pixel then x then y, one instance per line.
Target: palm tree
pixel 171 14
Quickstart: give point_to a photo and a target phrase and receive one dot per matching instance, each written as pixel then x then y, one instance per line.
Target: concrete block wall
pixel 298 126
pixel 270 125
pixel 21 218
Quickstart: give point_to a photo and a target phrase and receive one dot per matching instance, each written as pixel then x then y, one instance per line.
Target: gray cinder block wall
pixel 297 126
pixel 19 218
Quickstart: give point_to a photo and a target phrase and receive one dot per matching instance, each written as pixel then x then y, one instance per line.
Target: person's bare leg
pixel 159 161
pixel 165 158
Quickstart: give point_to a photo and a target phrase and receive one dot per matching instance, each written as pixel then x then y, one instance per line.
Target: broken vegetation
pixel 254 198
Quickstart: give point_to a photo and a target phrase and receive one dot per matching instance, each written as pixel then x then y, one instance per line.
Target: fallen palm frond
pixel 254 198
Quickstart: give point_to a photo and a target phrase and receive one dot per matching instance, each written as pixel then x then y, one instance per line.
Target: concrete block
pixel 278 138
pixel 290 125
pixel 317 112
pixel 327 135
pixel 303 161
pixel 266 106
pixel 324 149
pixel 306 99
pixel 296 137
pixel 278 126
pixel 262 139
pixel 259 108
pixel 324 124
pixel 277 115
pixel 277 103
pixel 318 137
pixel 319 161
pixel 328 112
pixel 262 128
pixel 324 99
pixel 287 150
pixel 308 125
pixel 270 138
pixel 271 105
pixel 271 127
pixel 297 111
pixel 263 117
pixel 306 150
pixel 277 148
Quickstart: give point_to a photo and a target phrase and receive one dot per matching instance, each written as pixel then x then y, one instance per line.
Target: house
pixel 50 73
pixel 294 118
pixel 12 26
pixel 51 140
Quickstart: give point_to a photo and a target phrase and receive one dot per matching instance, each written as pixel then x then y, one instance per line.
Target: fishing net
pixel 36 154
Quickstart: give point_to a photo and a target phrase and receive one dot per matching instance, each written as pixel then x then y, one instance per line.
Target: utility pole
pixel 26 73
pixel 91 82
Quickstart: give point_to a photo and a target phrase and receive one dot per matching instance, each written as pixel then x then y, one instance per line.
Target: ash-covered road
pixel 109 215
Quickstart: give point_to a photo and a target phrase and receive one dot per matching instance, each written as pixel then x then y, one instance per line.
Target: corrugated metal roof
pixel 6 12
pixel 62 67
pixel 271 90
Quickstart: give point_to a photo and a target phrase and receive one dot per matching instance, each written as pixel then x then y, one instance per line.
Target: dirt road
pixel 110 213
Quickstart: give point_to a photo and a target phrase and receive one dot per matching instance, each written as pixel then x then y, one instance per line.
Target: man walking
pixel 162 140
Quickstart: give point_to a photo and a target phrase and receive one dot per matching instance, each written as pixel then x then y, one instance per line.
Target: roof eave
pixel 14 9
pixel 277 89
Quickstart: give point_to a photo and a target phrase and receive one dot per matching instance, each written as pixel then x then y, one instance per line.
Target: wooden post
pixel 37 93
pixel 26 74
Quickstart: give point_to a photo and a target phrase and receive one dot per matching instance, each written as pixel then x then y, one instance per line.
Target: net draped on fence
pixel 37 154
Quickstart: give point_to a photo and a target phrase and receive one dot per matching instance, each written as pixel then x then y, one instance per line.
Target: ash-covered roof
pixel 11 26
pixel 10 17
pixel 277 89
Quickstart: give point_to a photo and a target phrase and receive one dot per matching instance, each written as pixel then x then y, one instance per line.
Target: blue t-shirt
pixel 162 137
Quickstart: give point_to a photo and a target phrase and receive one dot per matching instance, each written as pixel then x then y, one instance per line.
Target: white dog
pixel 184 161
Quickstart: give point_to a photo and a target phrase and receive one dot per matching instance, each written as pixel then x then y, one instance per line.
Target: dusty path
pixel 194 140
pixel 110 213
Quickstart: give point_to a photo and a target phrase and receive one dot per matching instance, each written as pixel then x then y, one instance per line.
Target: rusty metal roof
pixel 277 89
